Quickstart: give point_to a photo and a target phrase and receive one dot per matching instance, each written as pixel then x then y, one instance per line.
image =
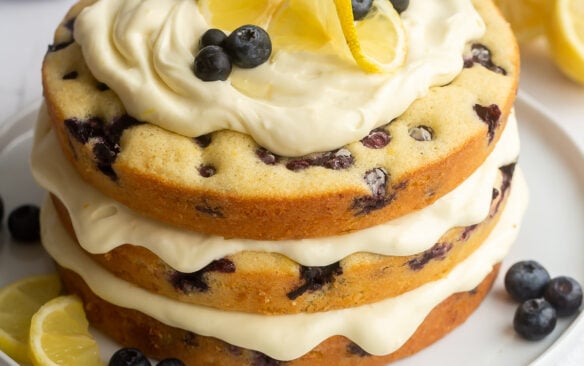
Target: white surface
pixel 553 166
pixel 552 233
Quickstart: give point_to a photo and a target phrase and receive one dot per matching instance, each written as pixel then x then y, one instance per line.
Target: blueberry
pixel 361 8
pixel 128 357
pixel 212 37
pixel 534 319
pixel 400 5
pixel 248 46
pixel 526 280
pixel 23 223
pixel 565 295
pixel 212 64
pixel 170 362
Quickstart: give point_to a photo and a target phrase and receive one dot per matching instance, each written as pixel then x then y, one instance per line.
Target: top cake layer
pixel 224 183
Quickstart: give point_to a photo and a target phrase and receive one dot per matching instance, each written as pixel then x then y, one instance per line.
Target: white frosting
pixel 102 224
pixel 378 328
pixel 296 103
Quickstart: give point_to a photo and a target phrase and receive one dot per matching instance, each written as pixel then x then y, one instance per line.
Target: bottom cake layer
pixel 132 328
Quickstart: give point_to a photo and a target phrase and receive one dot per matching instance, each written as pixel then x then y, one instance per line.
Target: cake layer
pixel 101 223
pixel 378 328
pixel 268 283
pixel 226 184
pixel 132 328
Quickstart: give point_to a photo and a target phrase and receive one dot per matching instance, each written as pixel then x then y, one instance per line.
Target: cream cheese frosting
pixel 102 224
pixel 378 328
pixel 297 103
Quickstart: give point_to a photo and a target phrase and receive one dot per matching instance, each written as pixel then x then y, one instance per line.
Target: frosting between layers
pixel 101 224
pixel 378 328
pixel 297 103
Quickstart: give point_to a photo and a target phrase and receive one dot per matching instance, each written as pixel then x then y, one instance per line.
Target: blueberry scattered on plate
pixel 23 223
pixel 526 280
pixel 542 299
pixel 534 319
pixel 128 357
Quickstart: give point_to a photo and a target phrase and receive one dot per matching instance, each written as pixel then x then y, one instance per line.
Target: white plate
pixel 552 233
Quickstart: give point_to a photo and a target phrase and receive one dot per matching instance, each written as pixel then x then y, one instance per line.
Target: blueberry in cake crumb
pixel 260 359
pixel 248 46
pixel 195 281
pixel 421 133
pixel 400 5
pixel 212 64
pixel 534 319
pixel 481 54
pixel 212 37
pixel 490 115
pixel 203 141
pixel 128 357
pixel 361 8
pixel 206 208
pixel 59 46
pixel 316 278
pixel 437 252
pixel 268 157
pixel 190 339
pixel 170 362
pixel 354 349
pixel 564 294
pixel 71 75
pixel 24 224
pixel 377 139
pixel 376 180
pixel 101 86
pixel 207 171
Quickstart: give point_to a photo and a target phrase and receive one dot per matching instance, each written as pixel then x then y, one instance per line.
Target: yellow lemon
pixel 229 15
pixel 527 17
pixel 565 34
pixel 376 43
pixel 59 335
pixel 18 302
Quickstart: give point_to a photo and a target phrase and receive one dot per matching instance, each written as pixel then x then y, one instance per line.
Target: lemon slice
pixel 378 42
pixel 229 15
pixel 59 335
pixel 18 302
pixel 527 17
pixel 566 37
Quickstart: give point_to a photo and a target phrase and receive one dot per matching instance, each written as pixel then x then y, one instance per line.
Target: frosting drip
pixel 102 224
pixel 378 328
pixel 144 50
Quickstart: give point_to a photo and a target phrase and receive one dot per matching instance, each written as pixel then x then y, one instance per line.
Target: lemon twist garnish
pixel 378 42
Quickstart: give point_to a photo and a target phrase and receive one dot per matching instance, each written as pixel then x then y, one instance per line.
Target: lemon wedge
pixel 565 34
pixel 527 17
pixel 378 42
pixel 18 302
pixel 59 335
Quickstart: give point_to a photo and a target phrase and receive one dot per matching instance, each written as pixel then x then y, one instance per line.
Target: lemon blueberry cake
pixel 339 193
